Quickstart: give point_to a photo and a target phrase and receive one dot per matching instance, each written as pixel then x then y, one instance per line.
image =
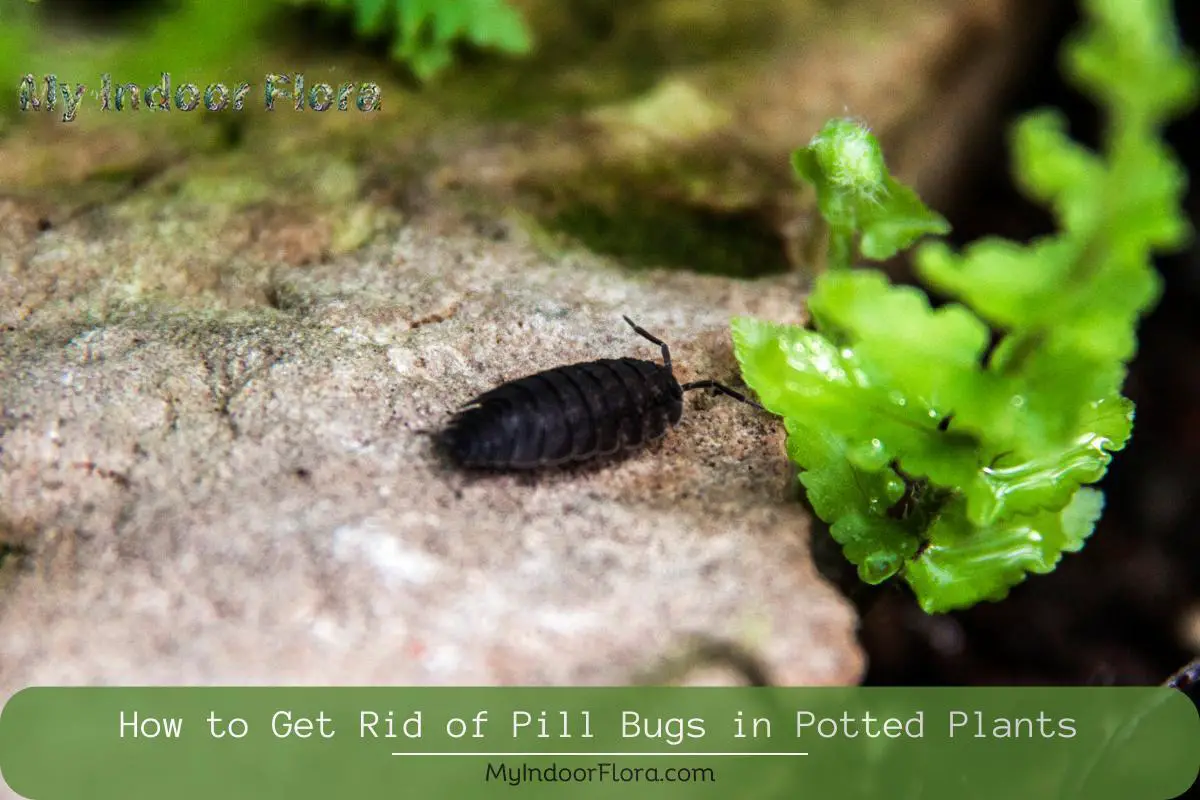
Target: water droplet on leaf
pixel 871 456
pixel 878 567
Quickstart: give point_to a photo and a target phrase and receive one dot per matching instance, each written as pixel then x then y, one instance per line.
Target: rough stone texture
pixel 216 367
pixel 249 499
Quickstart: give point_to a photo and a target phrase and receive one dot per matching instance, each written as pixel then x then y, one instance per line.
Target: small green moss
pixel 337 182
pixel 355 228
pixel 699 208
pixel 225 190
pixel 646 232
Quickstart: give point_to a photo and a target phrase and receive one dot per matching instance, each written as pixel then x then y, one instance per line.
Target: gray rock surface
pixel 240 492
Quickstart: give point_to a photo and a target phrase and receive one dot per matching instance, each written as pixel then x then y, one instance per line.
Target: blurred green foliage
pixel 220 40
pixel 426 30
pixel 934 455
pixel 193 40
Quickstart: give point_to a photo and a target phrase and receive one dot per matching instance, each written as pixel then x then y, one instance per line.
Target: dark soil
pixel 1117 612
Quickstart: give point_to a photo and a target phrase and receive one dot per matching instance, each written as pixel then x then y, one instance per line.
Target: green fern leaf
pixel 933 453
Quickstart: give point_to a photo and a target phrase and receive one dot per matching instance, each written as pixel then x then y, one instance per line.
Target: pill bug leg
pixel 720 389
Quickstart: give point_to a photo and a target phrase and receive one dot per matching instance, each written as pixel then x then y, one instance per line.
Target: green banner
pixel 1123 743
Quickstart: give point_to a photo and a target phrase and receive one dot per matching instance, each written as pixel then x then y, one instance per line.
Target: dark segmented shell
pixel 567 414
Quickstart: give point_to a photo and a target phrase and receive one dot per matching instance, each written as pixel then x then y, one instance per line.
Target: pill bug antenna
pixel 666 351
pixel 717 388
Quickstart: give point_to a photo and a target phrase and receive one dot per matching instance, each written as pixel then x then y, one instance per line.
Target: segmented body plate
pixel 570 413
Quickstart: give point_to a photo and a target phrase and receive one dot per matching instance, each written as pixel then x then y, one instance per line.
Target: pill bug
pixel 572 413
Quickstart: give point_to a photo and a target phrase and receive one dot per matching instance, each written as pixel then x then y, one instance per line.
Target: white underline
pixel 597 755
